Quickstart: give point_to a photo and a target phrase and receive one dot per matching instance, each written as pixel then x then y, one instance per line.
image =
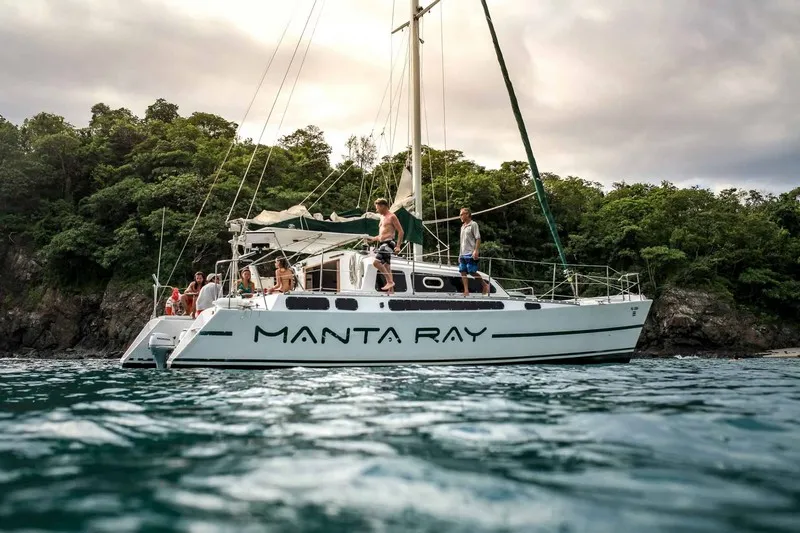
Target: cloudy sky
pixel 693 91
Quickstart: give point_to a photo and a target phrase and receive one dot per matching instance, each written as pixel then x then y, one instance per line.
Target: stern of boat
pixel 138 354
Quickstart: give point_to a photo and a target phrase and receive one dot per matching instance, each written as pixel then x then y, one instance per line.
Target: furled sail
pixel 352 221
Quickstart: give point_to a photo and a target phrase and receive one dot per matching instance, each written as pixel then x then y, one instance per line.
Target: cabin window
pixel 530 306
pixel 446 284
pixel 307 303
pixel 324 278
pixel 399 278
pixel 347 304
pixel 445 305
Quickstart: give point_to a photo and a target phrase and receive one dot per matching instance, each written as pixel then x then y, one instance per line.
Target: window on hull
pixel 445 305
pixel 307 303
pixel 347 304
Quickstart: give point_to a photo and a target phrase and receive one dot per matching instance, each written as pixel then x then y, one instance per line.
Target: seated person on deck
pixel 284 277
pixel 245 287
pixel 210 292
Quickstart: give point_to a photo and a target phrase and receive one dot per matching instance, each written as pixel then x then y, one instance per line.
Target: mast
pixel 415 92
pixel 415 87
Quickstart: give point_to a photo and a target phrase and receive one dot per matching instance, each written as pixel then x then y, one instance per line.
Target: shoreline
pixel 782 353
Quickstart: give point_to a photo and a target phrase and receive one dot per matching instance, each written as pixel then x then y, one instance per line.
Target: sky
pixel 695 92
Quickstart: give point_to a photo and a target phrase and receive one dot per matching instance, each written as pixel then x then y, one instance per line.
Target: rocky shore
pixel 40 321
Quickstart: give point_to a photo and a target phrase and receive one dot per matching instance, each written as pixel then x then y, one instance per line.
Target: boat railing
pixel 548 281
pixel 555 282
pixel 539 280
pixel 535 280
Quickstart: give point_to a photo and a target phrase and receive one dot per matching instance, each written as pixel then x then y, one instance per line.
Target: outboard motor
pixel 161 345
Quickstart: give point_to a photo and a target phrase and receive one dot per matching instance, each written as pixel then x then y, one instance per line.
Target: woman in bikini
pixel 246 288
pixel 189 296
pixel 284 277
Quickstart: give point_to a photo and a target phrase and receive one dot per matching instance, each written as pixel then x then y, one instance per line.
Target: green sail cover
pixel 412 226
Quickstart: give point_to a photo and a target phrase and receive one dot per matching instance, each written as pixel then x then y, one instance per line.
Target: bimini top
pixel 315 231
pixel 299 241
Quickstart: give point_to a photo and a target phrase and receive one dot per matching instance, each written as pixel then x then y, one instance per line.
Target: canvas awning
pixel 352 222
pixel 295 240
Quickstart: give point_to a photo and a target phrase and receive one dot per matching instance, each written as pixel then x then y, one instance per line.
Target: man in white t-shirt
pixel 469 244
pixel 210 292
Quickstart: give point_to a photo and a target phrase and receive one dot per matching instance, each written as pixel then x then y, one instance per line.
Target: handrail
pixel 532 280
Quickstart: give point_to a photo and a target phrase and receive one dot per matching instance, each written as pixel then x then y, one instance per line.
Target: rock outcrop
pixel 38 320
pixel 693 322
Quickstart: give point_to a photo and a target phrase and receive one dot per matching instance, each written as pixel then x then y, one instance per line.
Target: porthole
pixel 432 283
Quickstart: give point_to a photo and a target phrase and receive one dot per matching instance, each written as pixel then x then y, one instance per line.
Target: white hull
pixel 138 354
pixel 273 336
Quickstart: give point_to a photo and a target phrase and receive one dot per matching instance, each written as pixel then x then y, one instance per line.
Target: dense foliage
pixel 89 202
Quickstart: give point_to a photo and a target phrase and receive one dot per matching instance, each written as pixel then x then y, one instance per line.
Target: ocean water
pixel 656 445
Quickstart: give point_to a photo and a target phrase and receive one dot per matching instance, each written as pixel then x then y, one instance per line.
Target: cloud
pixel 693 92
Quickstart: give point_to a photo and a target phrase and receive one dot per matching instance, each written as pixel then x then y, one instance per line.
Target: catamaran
pixel 337 315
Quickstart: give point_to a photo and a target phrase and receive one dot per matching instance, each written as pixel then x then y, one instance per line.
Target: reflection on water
pixel 663 445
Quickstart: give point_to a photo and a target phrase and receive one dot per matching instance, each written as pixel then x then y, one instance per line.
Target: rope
pixel 263 76
pixel 390 142
pixel 318 186
pixel 481 212
pixel 361 187
pixel 393 133
pixel 444 129
pixel 228 153
pixel 374 125
pixel 430 152
pixel 332 184
pixel 382 171
pixel 438 248
pixel 286 108
pixel 387 89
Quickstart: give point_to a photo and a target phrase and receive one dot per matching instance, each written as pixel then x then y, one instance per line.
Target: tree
pixel 161 110
pixel 90 201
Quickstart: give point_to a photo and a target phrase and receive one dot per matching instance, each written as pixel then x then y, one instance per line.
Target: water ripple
pixel 674 445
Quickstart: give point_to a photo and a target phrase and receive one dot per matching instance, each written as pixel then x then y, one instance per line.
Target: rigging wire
pixel 318 186
pixel 331 185
pixel 228 153
pixel 272 108
pixel 286 108
pixel 374 125
pixel 428 139
pixel 393 133
pixel 391 70
pixel 383 171
pixel 389 143
pixel 363 179
pixel 386 90
pixel 482 212
pixel 444 130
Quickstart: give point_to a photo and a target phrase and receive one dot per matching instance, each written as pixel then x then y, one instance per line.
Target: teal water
pixel 661 445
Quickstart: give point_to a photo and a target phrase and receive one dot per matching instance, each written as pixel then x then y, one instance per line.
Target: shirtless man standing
pixel 386 243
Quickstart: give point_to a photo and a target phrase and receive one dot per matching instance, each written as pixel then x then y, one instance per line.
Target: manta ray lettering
pixel 367 335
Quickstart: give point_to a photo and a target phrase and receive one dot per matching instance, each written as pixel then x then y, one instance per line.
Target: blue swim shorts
pixel 467 264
